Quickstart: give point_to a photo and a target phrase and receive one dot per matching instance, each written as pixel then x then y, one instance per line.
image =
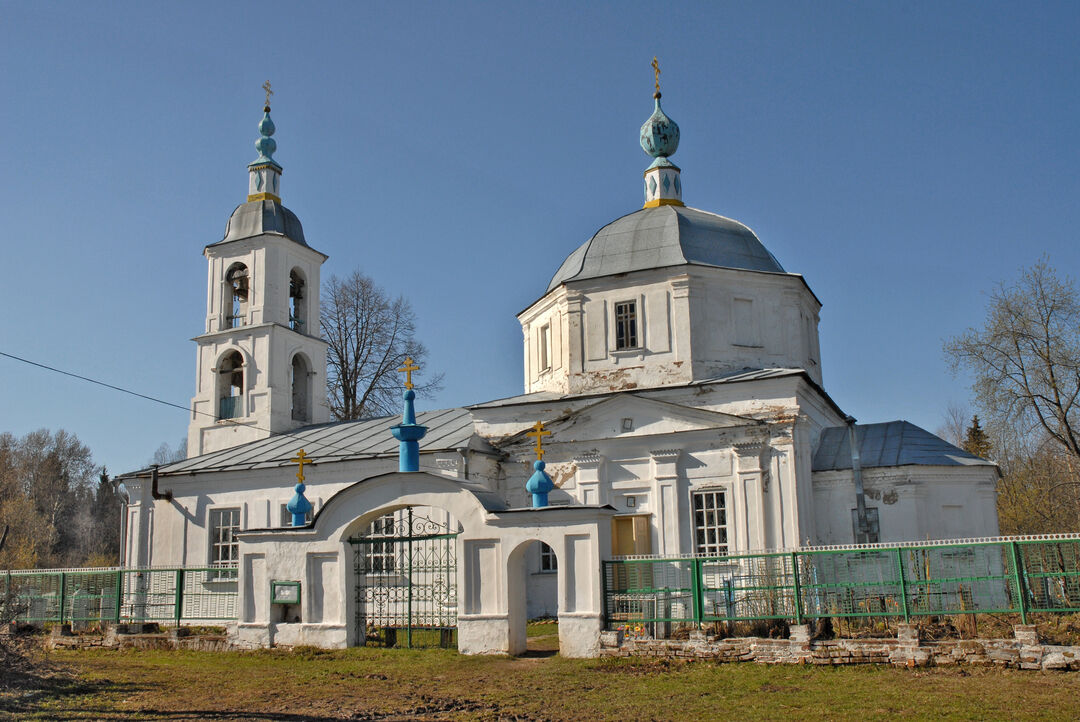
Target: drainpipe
pixel 167 494
pixel 463 451
pixel 856 473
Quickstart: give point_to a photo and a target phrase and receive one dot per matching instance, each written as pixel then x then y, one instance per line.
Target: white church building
pixel 676 365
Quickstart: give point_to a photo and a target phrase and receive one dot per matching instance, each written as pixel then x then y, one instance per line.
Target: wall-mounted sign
pixel 284 592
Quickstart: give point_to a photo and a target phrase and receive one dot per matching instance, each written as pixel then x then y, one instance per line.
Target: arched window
pixel 297 304
pixel 237 290
pixel 230 386
pixel 301 389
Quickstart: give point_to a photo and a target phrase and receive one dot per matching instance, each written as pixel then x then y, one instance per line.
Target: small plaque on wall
pixel 284 592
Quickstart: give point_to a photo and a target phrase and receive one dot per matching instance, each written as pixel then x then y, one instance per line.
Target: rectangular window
pixel 224 548
pixel 548 561
pixel 710 523
pixel 545 347
pixel 380 558
pixel 286 516
pixel 626 325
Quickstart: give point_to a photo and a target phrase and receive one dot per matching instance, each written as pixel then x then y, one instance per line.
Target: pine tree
pixel 976 441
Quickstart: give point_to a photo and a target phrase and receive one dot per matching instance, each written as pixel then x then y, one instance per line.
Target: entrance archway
pixel 533 578
pixel 405 573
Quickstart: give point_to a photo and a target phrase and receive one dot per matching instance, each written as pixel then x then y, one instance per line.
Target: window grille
pixel 380 554
pixel 548 561
pixel 626 325
pixel 224 547
pixel 710 523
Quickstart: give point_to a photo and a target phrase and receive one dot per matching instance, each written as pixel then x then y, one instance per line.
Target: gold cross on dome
pixel 301 459
pixel 656 71
pixel 408 368
pixel 266 87
pixel 539 432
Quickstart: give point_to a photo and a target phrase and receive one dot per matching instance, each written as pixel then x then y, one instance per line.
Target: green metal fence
pixel 1018 575
pixel 92 596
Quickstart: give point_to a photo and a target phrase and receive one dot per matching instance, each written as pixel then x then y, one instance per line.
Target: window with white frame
pixel 380 555
pixel 548 561
pixel 224 547
pixel 626 325
pixel 710 523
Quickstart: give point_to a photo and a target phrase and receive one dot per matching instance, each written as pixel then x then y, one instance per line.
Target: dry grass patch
pixel 376 684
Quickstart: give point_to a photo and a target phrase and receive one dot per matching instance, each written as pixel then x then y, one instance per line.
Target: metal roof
pixel 448 429
pixel 666 236
pixel 734 377
pixel 257 217
pixel 894 443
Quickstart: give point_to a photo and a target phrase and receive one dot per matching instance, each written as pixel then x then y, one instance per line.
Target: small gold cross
pixel 408 368
pixel 539 432
pixel 266 87
pixel 301 459
pixel 656 70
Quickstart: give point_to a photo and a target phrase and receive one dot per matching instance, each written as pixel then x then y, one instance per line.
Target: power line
pixel 164 403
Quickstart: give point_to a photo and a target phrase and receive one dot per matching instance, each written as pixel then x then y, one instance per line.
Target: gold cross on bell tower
pixel 407 369
pixel 301 459
pixel 656 71
pixel 266 87
pixel 539 432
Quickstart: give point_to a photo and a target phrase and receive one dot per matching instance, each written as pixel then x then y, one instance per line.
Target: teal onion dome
pixel 265 144
pixel 539 485
pixel 660 134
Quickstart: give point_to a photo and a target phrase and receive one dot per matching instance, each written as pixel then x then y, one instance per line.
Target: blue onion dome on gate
pixel 659 134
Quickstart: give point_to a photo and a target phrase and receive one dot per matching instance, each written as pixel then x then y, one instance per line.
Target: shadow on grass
pixel 538 653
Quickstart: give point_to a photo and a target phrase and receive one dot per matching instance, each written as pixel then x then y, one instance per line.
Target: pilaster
pixel 665 499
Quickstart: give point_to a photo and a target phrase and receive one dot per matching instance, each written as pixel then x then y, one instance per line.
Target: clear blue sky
pixel 904 157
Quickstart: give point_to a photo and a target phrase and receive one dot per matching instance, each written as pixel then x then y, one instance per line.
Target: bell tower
pixel 260 365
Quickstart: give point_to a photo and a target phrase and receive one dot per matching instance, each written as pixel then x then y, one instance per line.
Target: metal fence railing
pixel 1010 575
pixel 92 596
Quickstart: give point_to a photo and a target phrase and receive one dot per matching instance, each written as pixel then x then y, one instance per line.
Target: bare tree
pixel 166 454
pixel 954 426
pixel 1025 360
pixel 369 335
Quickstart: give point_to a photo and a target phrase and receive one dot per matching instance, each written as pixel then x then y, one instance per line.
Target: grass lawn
pixel 377 684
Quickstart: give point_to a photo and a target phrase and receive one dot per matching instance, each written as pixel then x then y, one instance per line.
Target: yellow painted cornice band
pixel 270 197
pixel 663 202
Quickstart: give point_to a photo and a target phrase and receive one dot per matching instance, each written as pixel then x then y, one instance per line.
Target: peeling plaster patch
pixel 561 473
pixel 873 493
pixel 890 497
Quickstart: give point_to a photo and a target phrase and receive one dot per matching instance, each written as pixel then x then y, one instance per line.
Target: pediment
pixel 647 417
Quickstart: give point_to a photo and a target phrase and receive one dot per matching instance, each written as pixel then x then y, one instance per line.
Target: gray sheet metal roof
pixel 257 217
pixel 734 377
pixel 894 443
pixel 666 236
pixel 447 429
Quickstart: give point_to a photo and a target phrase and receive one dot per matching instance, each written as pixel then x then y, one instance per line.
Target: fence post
pixel 119 594
pixel 903 584
pixel 63 595
pixel 798 589
pixel 604 592
pixel 1021 599
pixel 698 602
pixel 179 601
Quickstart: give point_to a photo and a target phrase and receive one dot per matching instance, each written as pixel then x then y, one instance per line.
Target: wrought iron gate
pixel 406 582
